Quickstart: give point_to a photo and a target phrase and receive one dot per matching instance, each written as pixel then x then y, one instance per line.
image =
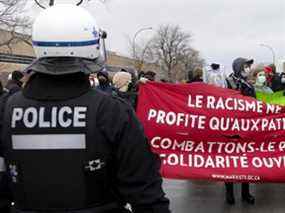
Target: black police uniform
pixel 69 148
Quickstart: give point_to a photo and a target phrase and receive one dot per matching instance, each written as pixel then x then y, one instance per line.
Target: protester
pixel 122 81
pixel 93 81
pixel 150 75
pixel 262 78
pixel 197 75
pixel 163 80
pixel 15 82
pixel 277 84
pixel 215 76
pixel 281 82
pixel 238 81
pixel 269 75
pixel 67 147
pixel 275 78
pixel 104 82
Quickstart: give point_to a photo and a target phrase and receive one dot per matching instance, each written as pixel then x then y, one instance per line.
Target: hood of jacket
pixel 238 65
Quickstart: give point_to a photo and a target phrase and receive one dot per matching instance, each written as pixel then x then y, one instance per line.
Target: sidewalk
pixel 208 197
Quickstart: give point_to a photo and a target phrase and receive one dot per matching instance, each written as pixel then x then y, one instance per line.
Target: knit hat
pixel 268 69
pixel 103 73
pixel 121 79
pixel 215 66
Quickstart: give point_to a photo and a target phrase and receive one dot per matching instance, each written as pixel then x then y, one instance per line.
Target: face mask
pixel 283 80
pixel 261 79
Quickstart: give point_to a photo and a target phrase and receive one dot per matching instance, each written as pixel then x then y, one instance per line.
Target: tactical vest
pixel 56 155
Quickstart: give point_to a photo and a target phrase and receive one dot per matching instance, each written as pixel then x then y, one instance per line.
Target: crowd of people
pixel 249 79
pixel 246 77
pixel 263 78
pixel 71 141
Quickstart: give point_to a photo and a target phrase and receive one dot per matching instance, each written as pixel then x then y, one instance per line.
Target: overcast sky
pixel 221 29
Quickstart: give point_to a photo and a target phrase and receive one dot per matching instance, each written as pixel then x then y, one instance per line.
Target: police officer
pixel 67 147
pixel 238 80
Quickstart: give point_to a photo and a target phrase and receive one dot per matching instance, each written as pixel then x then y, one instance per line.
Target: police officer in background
pixel 238 80
pixel 68 148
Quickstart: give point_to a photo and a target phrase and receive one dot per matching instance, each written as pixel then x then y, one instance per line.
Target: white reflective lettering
pixel 79 115
pixel 30 117
pixel 42 122
pixel 62 117
pixel 2 165
pixel 49 142
pixel 53 117
pixel 16 116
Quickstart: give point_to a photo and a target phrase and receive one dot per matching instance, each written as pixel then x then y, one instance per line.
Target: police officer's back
pixel 69 148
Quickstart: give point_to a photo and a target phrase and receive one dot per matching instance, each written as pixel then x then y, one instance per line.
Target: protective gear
pixel 53 37
pixel 84 173
pixel 78 151
pixel 261 79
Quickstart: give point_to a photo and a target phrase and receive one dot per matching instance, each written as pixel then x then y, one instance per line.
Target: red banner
pixel 205 132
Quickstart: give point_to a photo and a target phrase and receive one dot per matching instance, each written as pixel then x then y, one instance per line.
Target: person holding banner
pixel 260 79
pixel 215 76
pixel 238 80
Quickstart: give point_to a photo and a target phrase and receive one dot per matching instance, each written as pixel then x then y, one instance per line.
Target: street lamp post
pixel 271 49
pixel 135 36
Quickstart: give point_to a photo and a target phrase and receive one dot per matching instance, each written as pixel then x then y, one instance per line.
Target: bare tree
pixel 168 47
pixel 190 60
pixel 141 52
pixel 13 21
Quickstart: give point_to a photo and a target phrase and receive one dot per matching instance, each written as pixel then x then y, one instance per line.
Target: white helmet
pixel 66 30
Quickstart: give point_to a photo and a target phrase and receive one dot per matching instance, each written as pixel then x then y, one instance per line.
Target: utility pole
pixel 272 51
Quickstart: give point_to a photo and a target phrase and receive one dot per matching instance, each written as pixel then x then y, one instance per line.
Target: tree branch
pixel 41 6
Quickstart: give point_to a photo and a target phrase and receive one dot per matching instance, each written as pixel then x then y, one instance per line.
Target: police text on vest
pixel 53 117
